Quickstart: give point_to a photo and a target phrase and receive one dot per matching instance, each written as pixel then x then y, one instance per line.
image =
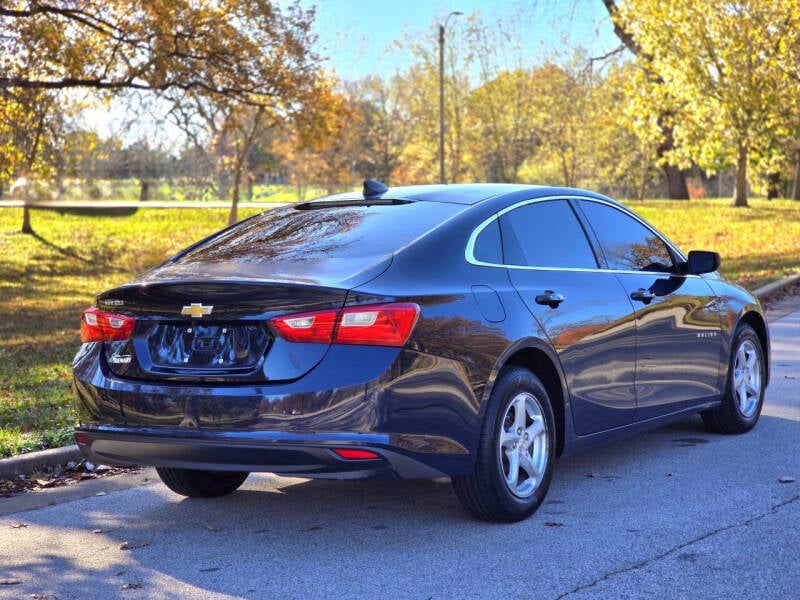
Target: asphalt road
pixel 676 513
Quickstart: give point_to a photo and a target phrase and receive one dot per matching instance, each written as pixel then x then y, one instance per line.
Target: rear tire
pixel 201 484
pixel 515 453
pixel 744 392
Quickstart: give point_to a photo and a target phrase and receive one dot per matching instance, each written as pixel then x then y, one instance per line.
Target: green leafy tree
pixel 719 67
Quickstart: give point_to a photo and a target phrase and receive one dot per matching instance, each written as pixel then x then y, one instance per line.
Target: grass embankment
pixel 48 279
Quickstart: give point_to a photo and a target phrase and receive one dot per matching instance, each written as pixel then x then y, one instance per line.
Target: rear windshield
pixel 292 235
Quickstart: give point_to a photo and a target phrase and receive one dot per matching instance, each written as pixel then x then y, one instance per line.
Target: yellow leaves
pixel 721 68
pixel 242 49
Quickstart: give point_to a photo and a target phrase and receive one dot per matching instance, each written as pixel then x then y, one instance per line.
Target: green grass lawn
pixel 47 280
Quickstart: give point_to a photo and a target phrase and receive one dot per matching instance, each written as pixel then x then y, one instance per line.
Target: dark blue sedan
pixel 470 331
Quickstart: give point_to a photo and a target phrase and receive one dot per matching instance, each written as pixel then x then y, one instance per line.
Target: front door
pixel 677 318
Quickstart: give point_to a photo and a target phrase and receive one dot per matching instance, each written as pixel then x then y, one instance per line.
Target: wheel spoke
pixel 507 438
pixel 741 358
pixel 741 394
pixel 520 412
pixel 738 378
pixel 751 360
pixel 536 428
pixel 527 465
pixel 512 476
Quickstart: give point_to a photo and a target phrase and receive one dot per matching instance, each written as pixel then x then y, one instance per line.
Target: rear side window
pixel 336 232
pixel 545 234
pixel 627 244
pixel 488 247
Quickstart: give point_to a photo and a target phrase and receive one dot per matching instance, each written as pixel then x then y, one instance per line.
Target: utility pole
pixel 442 28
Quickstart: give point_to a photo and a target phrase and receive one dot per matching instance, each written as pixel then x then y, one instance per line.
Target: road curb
pixel 25 464
pixel 765 291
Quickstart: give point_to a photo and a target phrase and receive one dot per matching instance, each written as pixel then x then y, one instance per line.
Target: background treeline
pixel 700 98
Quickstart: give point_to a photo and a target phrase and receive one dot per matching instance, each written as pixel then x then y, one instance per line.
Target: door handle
pixel 643 295
pixel 549 298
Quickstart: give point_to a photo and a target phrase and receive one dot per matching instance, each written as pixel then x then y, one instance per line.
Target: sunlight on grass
pixel 757 244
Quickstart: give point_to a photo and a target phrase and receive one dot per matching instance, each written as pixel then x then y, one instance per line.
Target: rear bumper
pixel 417 412
pixel 303 455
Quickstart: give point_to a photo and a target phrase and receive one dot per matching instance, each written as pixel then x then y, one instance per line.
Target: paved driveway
pixel 676 513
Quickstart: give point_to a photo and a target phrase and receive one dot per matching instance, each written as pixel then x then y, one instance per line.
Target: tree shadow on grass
pixel 69 253
pixel 63 251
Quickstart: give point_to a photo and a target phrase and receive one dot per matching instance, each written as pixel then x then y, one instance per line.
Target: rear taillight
pixel 375 325
pixel 101 326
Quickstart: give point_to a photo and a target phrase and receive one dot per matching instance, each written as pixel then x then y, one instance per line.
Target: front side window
pixel 545 234
pixel 627 244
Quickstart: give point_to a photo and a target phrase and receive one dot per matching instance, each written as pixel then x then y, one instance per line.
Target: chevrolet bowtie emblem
pixel 197 310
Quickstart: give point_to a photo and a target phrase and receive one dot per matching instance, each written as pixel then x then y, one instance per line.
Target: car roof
pixel 458 193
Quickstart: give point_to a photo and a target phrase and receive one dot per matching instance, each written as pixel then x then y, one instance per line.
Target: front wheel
pixel 201 484
pixel 516 451
pixel 744 392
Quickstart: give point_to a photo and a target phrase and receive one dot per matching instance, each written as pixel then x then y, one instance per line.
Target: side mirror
pixel 702 261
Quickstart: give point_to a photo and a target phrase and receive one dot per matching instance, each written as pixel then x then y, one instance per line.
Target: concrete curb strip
pixel 776 286
pixel 25 464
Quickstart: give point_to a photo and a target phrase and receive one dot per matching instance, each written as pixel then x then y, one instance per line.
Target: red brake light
pixel 307 327
pixel 381 325
pixel 371 325
pixel 100 326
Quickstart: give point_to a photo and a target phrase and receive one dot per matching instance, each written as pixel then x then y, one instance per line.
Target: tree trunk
pixel 740 191
pixel 676 179
pixel 773 186
pixel 144 190
pixel 233 216
pixel 676 183
pixel 796 182
pixel 26 219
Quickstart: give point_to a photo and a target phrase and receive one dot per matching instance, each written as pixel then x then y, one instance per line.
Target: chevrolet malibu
pixel 473 331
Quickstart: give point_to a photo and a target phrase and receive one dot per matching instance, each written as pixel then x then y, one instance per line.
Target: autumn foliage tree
pixel 236 52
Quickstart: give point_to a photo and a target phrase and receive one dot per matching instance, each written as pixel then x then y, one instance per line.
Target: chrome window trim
pixel 469 251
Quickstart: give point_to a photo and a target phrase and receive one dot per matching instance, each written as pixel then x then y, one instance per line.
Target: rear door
pixel 677 316
pixel 584 310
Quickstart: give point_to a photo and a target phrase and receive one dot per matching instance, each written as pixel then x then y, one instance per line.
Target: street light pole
pixel 442 27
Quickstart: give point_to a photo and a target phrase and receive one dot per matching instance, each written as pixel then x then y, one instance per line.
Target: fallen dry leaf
pixel 132 586
pixel 133 545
